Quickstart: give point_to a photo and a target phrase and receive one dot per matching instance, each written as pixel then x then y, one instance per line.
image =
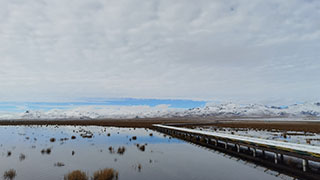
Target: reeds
pixel 76 175
pixel 105 174
pixel 10 174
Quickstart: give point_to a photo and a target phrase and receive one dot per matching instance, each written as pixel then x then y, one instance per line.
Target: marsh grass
pixel 76 175
pixel 10 174
pixel 105 174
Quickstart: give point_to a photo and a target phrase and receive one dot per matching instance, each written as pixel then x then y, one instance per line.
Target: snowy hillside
pixel 252 110
pixel 219 110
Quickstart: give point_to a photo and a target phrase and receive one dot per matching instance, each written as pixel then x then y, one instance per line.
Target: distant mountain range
pixel 218 110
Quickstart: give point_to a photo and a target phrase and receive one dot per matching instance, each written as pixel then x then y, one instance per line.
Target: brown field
pixel 187 122
pixel 142 123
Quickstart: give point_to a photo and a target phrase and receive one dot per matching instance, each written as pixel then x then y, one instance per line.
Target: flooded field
pixel 51 152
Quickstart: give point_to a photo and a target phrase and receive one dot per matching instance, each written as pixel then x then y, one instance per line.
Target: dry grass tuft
pixel 105 174
pixel 10 174
pixel 76 175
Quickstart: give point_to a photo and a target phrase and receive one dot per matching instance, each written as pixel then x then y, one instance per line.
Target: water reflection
pixel 133 153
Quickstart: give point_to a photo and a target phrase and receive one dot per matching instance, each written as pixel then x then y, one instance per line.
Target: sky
pixel 205 50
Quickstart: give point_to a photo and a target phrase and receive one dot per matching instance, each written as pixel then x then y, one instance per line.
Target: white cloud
pixel 240 50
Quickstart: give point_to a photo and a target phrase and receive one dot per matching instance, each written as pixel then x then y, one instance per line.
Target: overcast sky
pixel 235 50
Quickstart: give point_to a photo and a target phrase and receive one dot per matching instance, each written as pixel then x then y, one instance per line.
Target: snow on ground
pixel 144 111
pixel 299 137
pixel 279 144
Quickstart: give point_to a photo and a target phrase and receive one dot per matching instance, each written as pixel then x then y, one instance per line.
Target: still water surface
pixel 163 157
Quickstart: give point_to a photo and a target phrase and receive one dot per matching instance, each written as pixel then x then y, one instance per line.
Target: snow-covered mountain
pixel 215 110
pixel 257 110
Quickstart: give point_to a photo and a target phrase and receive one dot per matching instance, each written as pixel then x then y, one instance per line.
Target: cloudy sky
pixel 235 50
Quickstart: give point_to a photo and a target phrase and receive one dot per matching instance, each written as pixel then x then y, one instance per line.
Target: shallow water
pixel 163 158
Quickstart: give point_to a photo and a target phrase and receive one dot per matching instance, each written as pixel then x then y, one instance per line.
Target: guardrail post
pixel 304 165
pixel 276 158
pixel 238 147
pixel 254 152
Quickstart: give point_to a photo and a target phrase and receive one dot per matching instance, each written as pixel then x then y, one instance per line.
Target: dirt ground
pixel 186 122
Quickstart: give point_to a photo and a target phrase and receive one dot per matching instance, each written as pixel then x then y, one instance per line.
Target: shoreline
pixel 285 125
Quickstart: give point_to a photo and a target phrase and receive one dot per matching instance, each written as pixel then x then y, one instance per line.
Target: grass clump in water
pixel 76 175
pixel 22 157
pixel 10 174
pixel 46 151
pixel 59 164
pixel 142 148
pixel 105 174
pixel 111 150
pixel 121 150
